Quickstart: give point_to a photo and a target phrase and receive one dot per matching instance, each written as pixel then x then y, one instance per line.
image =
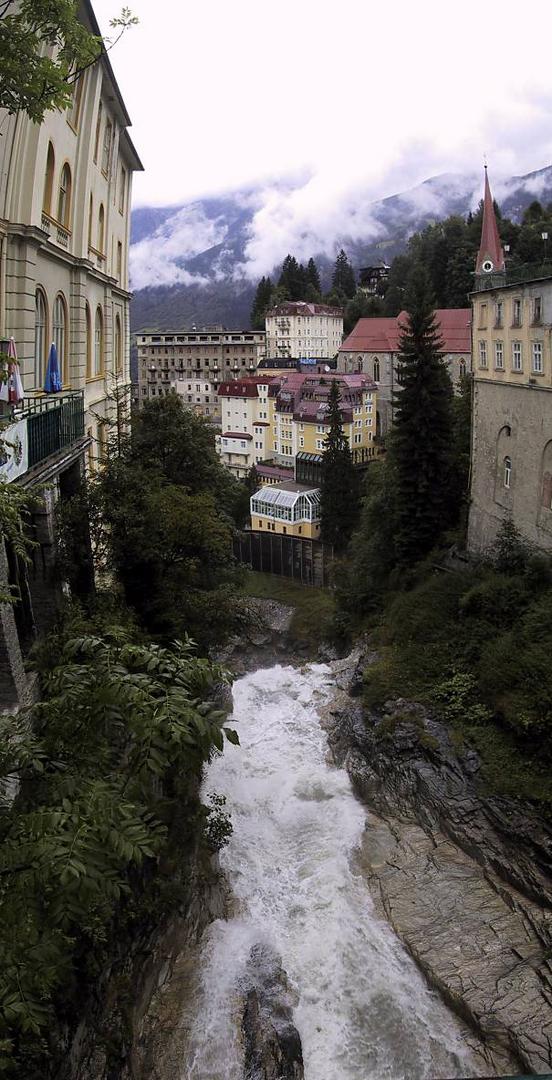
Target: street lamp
pixel 544 238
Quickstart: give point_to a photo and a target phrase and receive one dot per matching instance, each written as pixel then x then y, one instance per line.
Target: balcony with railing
pixel 38 430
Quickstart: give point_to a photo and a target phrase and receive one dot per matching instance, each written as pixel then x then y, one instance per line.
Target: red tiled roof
pixel 236 435
pixel 273 471
pixel 382 335
pixel 243 387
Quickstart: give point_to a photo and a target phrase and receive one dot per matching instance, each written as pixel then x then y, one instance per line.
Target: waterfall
pixel 361 1007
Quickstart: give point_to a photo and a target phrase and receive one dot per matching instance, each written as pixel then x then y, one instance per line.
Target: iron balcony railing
pixel 514 275
pixel 54 422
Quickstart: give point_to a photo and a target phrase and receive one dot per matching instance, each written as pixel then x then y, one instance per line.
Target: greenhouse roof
pixel 285 494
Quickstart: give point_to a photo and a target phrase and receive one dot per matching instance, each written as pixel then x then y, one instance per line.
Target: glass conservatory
pixel 287 504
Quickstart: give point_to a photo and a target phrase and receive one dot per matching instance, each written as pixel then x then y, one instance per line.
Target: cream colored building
pixel 65 192
pixel 247 416
pixel 303 330
pixel 193 363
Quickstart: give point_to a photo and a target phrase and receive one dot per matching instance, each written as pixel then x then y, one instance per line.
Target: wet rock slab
pixel 465 881
pixel 271 1041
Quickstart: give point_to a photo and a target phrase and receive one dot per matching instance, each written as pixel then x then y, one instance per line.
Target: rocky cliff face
pixel 465 880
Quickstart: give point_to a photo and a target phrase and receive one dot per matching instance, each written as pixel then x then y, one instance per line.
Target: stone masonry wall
pixel 512 422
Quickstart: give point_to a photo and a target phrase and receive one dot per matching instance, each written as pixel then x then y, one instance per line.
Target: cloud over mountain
pixel 205 257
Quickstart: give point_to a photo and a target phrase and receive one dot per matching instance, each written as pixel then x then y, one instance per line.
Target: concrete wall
pixel 515 422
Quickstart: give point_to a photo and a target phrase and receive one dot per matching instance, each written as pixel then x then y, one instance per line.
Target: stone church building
pixel 512 405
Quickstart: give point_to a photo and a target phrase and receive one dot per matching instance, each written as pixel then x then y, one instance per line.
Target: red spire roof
pixel 490 256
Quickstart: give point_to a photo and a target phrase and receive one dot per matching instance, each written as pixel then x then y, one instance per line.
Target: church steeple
pixel 490 258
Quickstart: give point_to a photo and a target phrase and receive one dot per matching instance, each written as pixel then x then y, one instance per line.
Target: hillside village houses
pixel 194 362
pixel 372 347
pixel 280 418
pixel 512 407
pixel 303 330
pixel 65 192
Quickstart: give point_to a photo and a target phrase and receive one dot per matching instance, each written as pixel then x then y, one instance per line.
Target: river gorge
pixel 304 974
pixel 373 916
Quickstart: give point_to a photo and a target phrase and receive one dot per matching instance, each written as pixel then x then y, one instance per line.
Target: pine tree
pixel 421 446
pixel 343 279
pixel 292 278
pixel 313 277
pixel 339 488
pixel 261 303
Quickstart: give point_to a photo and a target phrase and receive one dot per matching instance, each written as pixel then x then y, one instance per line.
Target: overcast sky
pixel 348 94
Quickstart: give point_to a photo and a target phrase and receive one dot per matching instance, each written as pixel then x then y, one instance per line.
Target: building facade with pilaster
pixel 65 194
pixel 512 405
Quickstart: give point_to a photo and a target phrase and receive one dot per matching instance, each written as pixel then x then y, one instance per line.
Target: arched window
pixel 507 471
pixel 64 197
pixel 101 228
pixel 41 329
pixel 118 358
pixel 98 343
pixel 88 341
pixel 49 180
pixel 59 333
pixel 376 369
pixel 462 369
pixel 360 365
pixel 90 218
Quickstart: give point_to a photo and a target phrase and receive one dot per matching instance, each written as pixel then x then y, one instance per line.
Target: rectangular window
pixel 517 359
pixel 483 354
pixel 122 189
pixel 106 152
pixel 483 316
pixel 498 313
pixel 516 313
pixel 536 354
pixel 499 356
pixel 537 310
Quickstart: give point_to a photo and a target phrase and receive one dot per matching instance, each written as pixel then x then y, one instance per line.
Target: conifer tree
pixel 313 277
pixel 261 303
pixel 293 278
pixel 343 279
pixel 422 442
pixel 339 488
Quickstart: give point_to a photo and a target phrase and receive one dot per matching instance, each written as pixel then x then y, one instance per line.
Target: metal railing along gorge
pixel 54 422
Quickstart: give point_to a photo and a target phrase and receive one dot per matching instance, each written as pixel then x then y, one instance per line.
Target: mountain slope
pixel 199 263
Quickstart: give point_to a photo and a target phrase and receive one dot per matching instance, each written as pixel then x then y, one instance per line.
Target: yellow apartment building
pixel 275 419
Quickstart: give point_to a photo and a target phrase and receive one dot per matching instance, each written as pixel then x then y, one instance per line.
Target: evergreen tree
pixel 313 277
pixel 421 446
pixel 343 278
pixel 261 303
pixel 339 488
pixel 293 278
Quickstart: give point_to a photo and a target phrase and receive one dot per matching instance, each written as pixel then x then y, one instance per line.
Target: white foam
pixel 363 1011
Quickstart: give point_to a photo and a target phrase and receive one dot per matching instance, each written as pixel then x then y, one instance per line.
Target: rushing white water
pixel 363 1011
